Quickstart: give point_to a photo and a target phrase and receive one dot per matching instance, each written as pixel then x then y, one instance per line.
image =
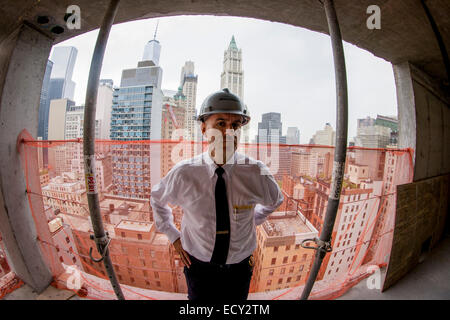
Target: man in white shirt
pixel 224 195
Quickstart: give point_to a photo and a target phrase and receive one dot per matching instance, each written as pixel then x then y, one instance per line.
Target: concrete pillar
pixel 424 120
pixel 23 57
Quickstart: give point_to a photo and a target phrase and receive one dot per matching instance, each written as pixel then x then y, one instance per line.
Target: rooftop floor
pixel 430 280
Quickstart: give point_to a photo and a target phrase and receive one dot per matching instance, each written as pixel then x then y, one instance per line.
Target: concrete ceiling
pixel 405 32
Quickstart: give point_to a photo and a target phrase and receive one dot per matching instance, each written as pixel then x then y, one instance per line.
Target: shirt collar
pixel 212 166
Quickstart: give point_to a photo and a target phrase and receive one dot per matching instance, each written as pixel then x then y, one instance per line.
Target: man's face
pixel 222 131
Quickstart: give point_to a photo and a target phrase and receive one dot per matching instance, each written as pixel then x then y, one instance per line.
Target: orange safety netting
pixel 146 264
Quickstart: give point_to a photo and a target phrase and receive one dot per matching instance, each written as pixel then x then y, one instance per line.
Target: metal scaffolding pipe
pixel 100 237
pixel 340 152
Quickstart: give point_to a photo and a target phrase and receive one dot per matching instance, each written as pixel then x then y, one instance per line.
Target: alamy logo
pixel 374 280
pixel 73 282
pixel 374 21
pixel 73 13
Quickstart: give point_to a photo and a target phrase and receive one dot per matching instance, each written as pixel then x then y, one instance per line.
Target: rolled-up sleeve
pixel 163 193
pixel 273 198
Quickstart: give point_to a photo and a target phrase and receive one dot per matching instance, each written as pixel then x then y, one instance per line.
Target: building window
pixel 74 260
pixel 288 279
pixel 269 282
pixel 271 272
pixel 301 268
pixel 285 259
pixel 288 248
pixel 304 257
pixel 291 269
pixel 61 259
pixel 275 249
pixel 67 240
pixel 283 270
pixel 297 246
pixel 123 234
pixel 132 280
pixel 144 272
pixel 158 284
pixel 139 236
pixel 294 258
pixel 156 275
pixel 280 281
pixel 274 260
pixel 298 278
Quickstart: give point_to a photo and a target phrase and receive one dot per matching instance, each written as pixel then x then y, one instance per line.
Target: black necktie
pixel 222 243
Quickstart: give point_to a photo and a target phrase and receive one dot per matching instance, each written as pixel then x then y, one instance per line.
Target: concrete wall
pixel 423 205
pixel 23 59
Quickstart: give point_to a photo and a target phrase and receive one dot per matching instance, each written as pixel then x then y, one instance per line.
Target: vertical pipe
pixel 101 239
pixel 341 141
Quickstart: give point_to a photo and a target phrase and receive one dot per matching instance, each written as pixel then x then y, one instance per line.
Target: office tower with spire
pixel 137 115
pixel 188 84
pixel 233 77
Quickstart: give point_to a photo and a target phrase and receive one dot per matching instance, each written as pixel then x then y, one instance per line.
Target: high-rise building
pixel 104 108
pixel 173 115
pixel 61 84
pixel 232 77
pixel 365 122
pixel 293 135
pixel 44 104
pixel 280 261
pixel 189 86
pixel 137 115
pixel 325 137
pixel 392 123
pixel 353 226
pixel 373 137
pixel 377 133
pixel 152 52
pixel 270 129
pixel 57 118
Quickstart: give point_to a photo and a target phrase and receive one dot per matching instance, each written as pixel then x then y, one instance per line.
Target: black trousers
pixel 218 283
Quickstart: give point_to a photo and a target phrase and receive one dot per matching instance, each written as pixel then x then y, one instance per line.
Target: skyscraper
pixel 270 129
pixel 233 77
pixel 189 86
pixel 44 103
pixel 152 51
pixel 137 115
pixel 293 135
pixel 44 108
pixel 374 133
pixel 61 84
pixel 104 108
pixel 324 137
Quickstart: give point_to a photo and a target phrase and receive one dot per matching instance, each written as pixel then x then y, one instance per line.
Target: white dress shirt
pixel 252 194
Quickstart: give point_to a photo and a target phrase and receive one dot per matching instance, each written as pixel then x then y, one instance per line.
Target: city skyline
pixel 303 70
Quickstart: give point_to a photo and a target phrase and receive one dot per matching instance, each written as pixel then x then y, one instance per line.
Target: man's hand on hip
pixel 183 254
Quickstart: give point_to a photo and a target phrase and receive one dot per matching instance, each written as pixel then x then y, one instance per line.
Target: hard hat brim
pixel 246 119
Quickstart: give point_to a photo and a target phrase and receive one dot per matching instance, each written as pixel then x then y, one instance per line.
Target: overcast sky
pixel 286 69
